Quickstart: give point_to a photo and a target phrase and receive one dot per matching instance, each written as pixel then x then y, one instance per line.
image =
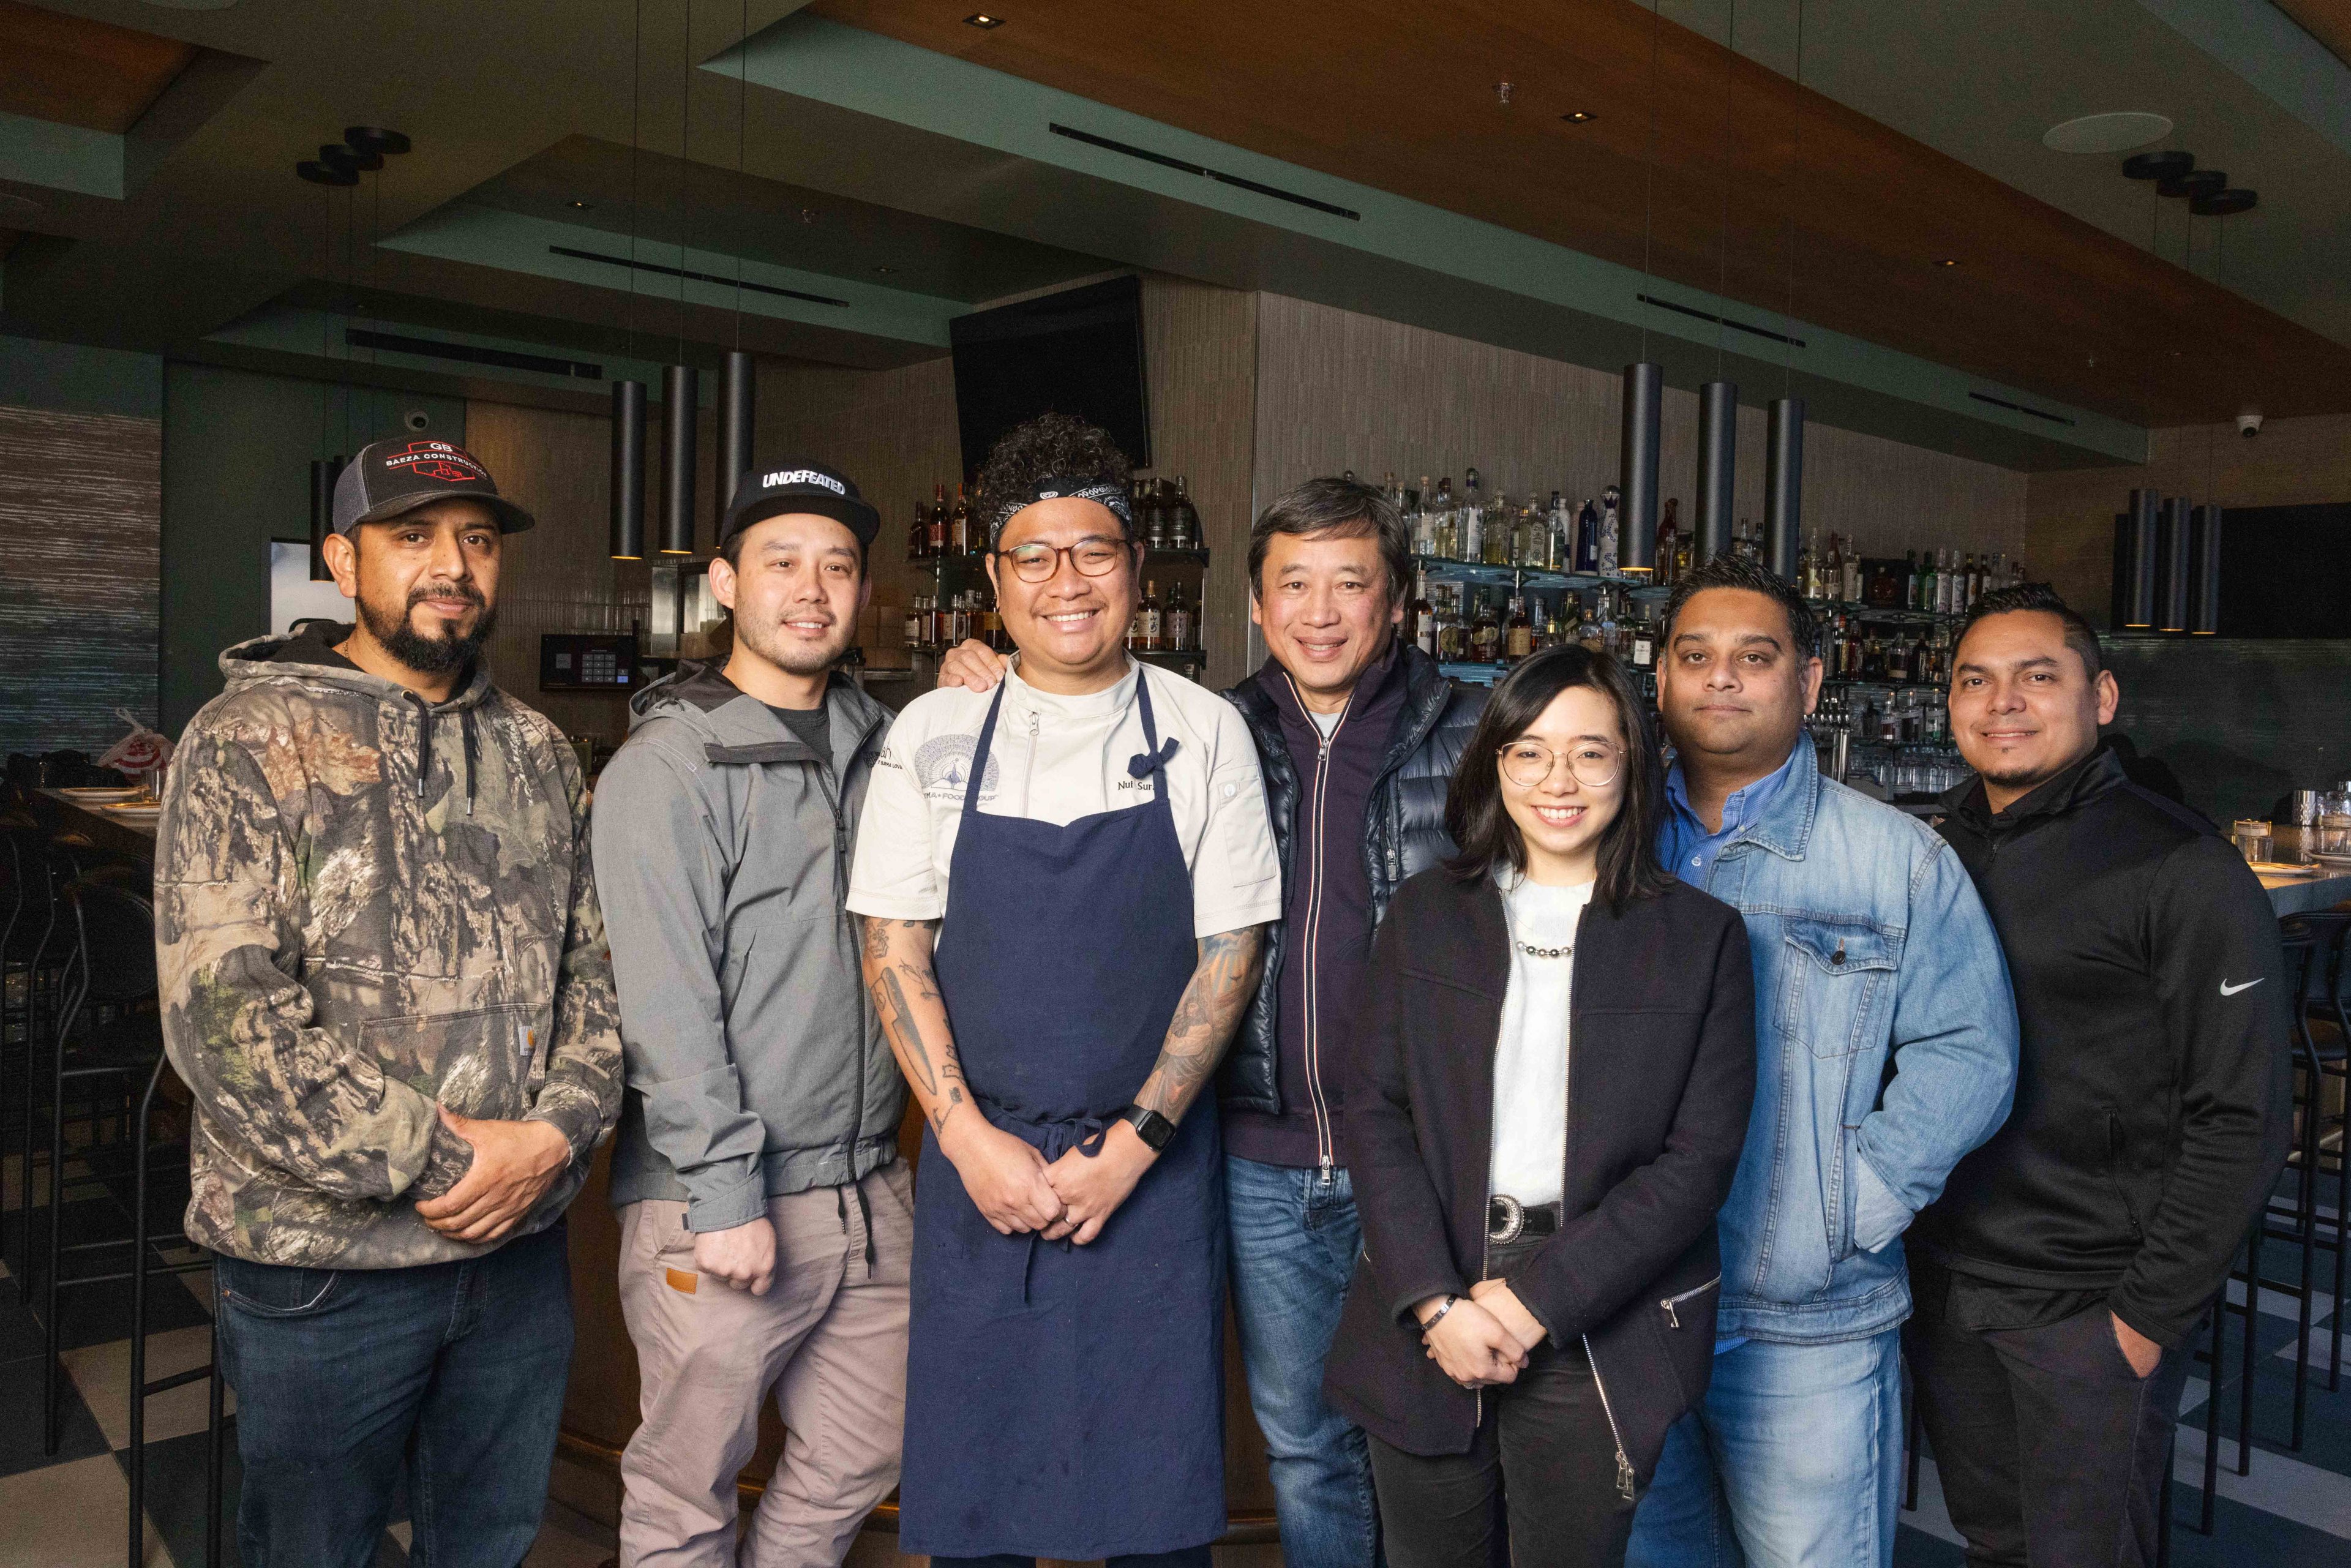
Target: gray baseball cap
pixel 389 477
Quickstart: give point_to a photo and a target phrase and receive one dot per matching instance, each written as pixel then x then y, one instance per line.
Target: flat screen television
pixel 1078 352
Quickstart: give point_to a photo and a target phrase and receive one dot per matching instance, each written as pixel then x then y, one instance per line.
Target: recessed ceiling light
pixel 581 206
pixel 1947 261
pixel 2117 133
pixel 983 20
pixel 1578 116
pixel 885 269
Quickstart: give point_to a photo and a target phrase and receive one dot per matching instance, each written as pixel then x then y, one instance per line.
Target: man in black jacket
pixel 2061 1276
pixel 1358 734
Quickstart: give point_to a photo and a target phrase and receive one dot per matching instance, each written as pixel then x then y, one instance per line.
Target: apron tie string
pixel 1143 764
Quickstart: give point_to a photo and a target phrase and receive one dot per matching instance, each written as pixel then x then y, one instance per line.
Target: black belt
pixel 1508 1221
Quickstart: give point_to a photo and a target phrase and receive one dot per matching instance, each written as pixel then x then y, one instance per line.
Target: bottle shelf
pixel 1166 557
pixel 1866 684
pixel 1191 656
pixel 1885 615
pixel 1489 574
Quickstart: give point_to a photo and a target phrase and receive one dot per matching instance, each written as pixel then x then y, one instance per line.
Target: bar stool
pixel 113 971
pixel 141 1267
pixel 2313 944
pixel 42 953
pixel 2323 1030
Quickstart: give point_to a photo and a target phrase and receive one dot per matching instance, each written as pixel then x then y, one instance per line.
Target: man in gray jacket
pixel 766 1219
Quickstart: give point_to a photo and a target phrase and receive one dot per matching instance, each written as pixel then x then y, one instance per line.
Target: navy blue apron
pixel 1068 1401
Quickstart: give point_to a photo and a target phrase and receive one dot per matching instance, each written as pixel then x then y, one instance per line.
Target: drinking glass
pixel 2252 837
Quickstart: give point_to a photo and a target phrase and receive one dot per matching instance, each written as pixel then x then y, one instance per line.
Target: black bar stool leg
pixel 2342 1217
pixel 52 1368
pixel 2212 1409
pixel 138 1326
pixel 2251 1350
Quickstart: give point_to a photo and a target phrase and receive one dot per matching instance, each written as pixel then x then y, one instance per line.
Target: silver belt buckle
pixel 1514 1219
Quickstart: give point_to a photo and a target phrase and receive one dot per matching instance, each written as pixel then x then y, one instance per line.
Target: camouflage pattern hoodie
pixel 366 903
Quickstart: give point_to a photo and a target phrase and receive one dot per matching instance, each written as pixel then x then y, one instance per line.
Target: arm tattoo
pixel 899 1019
pixel 1220 988
pixel 897 959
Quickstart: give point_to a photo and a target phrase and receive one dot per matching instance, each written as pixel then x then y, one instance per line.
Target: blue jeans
pixel 1294 1240
pixel 1793 1460
pixel 450 1375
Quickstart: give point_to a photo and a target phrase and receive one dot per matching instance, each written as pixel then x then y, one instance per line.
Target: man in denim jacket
pixel 1887 1036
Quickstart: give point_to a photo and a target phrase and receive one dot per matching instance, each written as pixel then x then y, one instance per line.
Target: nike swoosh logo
pixel 2228 990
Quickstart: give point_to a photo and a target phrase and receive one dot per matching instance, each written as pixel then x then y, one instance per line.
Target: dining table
pixel 131 835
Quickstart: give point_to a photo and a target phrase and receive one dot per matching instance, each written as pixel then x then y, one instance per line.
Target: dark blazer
pixel 1404 833
pixel 1661 1074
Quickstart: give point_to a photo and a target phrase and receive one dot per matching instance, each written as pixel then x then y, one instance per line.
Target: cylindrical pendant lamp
pixel 2204 571
pixel 1718 458
pixel 322 516
pixel 2171 566
pixel 1636 467
pixel 628 470
pixel 735 391
pixel 1783 488
pixel 2138 550
pixel 681 409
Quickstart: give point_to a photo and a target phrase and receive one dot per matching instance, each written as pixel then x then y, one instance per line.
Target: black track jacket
pixel 2152 1091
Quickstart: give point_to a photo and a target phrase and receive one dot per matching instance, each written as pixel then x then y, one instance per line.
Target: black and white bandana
pixel 1104 491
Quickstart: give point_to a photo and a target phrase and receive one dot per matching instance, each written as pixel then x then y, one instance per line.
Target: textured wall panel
pixel 2240 722
pixel 1199 346
pixel 559 575
pixel 81 510
pixel 1337 389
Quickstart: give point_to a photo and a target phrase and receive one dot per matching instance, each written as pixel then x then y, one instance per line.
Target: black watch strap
pixel 1156 1130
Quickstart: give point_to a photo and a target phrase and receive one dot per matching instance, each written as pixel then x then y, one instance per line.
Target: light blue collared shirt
pixel 1685 847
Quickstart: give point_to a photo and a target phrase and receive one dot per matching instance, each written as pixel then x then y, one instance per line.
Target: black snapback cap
pixel 389 477
pixel 772 490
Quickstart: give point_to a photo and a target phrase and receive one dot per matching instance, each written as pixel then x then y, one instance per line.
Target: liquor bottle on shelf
pixel 1519 633
pixel 1587 537
pixel 1152 519
pixel 1472 515
pixel 1184 533
pixel 1833 569
pixel 1485 633
pixel 1452 629
pixel 1668 546
pixel 1610 540
pixel 1897 658
pixel 1420 618
pixel 1152 627
pixel 1685 546
pixel 1643 651
pixel 1423 518
pixel 917 623
pixel 918 538
pixel 1495 530
pixel 1444 521
pixel 935 524
pixel 1853 572
pixel 1559 525
pixel 1182 634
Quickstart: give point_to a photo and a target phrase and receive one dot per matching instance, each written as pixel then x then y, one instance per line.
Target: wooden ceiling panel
pixel 2328 21
pixel 1764 191
pixel 75 72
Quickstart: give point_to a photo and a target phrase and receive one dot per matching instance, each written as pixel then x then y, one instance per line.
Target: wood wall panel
pixel 1200 360
pixel 74 71
pixel 2070 515
pixel 1339 389
pixel 559 575
pixel 81 505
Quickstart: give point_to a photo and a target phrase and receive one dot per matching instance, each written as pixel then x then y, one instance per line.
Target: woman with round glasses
pixel 1554 1067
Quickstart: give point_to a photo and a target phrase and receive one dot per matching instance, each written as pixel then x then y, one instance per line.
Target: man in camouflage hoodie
pixel 385 982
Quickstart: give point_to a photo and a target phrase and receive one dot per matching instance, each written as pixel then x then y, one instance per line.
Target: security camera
pixel 417 418
pixel 2249 424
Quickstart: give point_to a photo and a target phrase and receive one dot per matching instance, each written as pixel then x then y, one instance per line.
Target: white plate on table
pixel 2339 862
pixel 2283 867
pixel 131 812
pixel 101 794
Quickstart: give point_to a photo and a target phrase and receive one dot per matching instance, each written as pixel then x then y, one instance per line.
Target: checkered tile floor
pixel 68 1510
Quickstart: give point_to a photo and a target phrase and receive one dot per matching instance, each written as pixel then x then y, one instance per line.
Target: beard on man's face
pixel 794 657
pixel 431 656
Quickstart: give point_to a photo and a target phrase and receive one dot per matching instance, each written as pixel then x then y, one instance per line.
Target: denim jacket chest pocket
pixel 1836 980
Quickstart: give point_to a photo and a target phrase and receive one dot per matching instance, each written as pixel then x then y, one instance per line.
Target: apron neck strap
pixel 980 752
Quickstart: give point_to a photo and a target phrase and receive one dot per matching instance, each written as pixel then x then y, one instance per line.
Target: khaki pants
pixel 829 1339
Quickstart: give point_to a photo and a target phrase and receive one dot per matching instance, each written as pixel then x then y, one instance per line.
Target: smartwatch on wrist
pixel 1156 1130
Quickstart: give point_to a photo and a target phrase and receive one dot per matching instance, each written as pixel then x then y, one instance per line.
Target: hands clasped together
pixel 1483 1338
pixel 1017 1190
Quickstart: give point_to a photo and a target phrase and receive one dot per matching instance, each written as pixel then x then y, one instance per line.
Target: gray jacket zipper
pixel 1670 1303
pixel 1624 1465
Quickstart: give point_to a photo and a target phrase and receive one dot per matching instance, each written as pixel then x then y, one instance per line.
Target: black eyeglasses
pixel 1093 556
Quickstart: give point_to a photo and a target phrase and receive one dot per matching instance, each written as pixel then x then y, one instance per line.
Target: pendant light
pixel 2204 571
pixel 681 403
pixel 627 436
pixel 2135 552
pixel 628 470
pixel 1644 389
pixel 681 385
pixel 1717 453
pixel 1636 462
pixel 1783 488
pixel 736 390
pixel 2171 566
pixel 1717 399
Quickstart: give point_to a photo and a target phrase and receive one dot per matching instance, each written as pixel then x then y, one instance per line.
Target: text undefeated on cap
pixel 802 476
